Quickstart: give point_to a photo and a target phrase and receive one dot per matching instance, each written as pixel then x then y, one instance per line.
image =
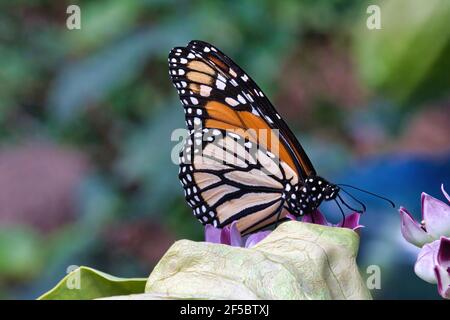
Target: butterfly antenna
pixel 368 192
pixel 342 211
pixel 355 199
pixel 349 207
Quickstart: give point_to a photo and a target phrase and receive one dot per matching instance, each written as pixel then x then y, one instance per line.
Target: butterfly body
pixel 240 161
pixel 306 197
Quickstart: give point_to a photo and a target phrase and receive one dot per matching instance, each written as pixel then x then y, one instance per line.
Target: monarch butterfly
pixel 230 170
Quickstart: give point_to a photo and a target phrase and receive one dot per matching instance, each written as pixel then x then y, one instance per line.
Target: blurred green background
pixel 86 117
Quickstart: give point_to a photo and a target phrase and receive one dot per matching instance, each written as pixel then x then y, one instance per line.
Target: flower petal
pixel 436 215
pixel 445 193
pixel 411 230
pixel 212 234
pixel 426 261
pixel 443 255
pixel 255 238
pixel 235 235
pixel 291 217
pixel 443 281
pixel 225 235
pixel 351 221
pixel 316 217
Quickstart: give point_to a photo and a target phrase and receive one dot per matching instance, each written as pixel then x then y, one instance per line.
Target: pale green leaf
pixel 86 283
pixel 296 261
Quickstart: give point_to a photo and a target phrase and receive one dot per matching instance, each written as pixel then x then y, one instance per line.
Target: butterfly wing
pixel 219 95
pixel 226 178
pixel 262 104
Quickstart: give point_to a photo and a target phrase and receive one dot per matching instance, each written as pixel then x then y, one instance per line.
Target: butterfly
pixel 240 161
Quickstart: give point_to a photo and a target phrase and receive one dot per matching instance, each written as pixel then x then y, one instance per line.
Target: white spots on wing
pixel 234 135
pixel 221 78
pixel 220 85
pixel 197 121
pixel 183 84
pixel 173 60
pixel 244 77
pixel 232 72
pixel 205 91
pixel 231 101
pixel 191 55
pixel 248 96
pixel 181 72
pixel 194 100
pixel 206 49
pixel 241 99
pixel 199 112
pixel 183 60
pixel 233 82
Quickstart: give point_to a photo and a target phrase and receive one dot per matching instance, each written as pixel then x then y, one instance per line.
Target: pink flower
pixel 351 221
pixel 230 235
pixel 442 268
pixel 435 221
pixel 433 265
pixel 432 234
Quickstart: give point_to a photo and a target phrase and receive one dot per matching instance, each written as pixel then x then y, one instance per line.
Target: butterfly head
pixel 331 191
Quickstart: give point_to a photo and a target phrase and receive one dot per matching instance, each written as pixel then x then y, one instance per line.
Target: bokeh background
pixel 86 117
